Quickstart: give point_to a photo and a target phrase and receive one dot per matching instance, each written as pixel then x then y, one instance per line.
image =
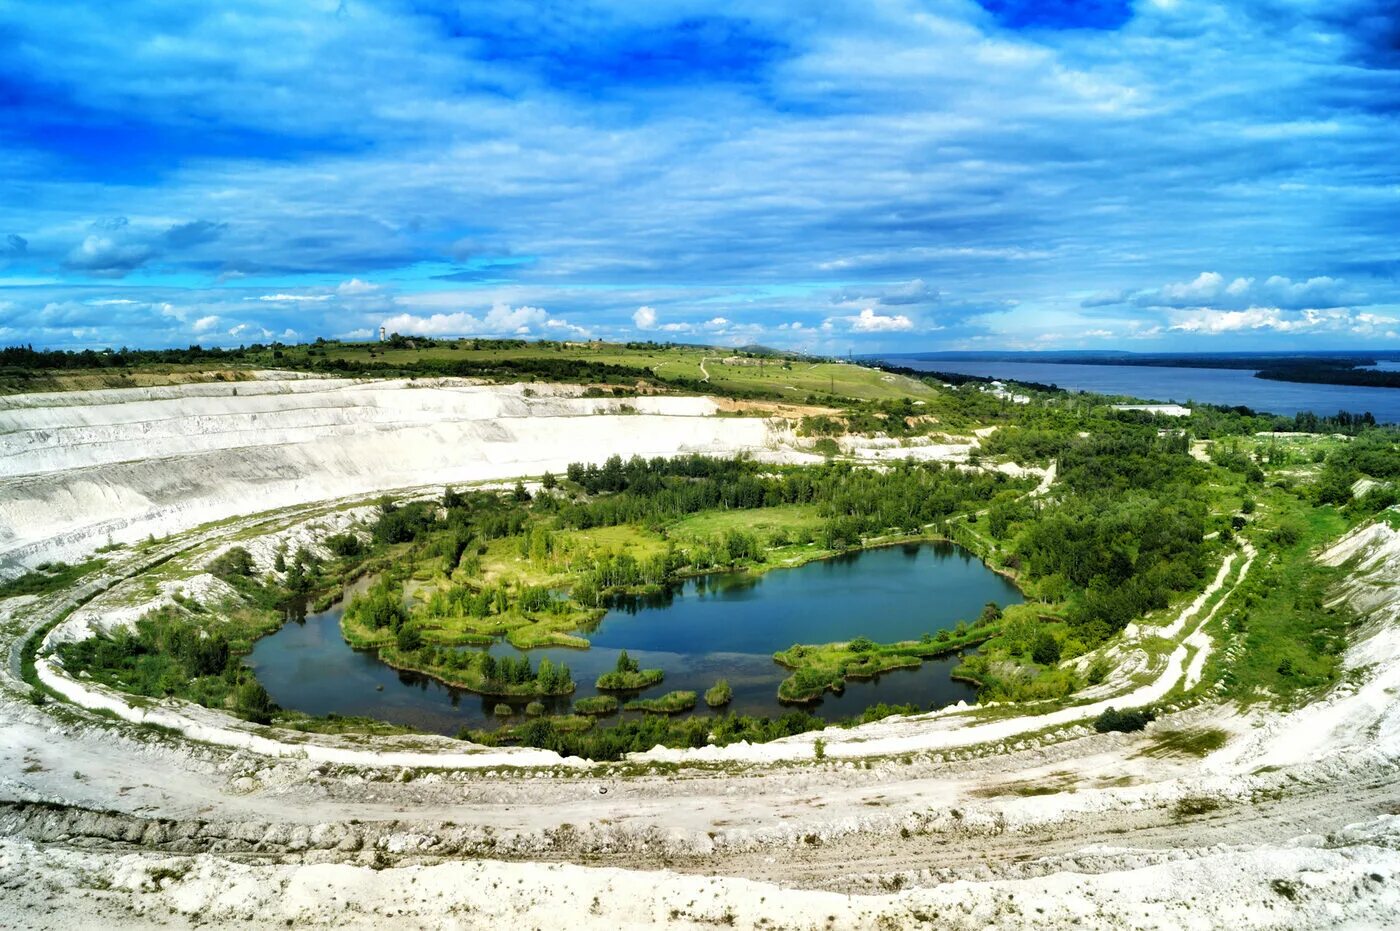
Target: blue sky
pixel 879 175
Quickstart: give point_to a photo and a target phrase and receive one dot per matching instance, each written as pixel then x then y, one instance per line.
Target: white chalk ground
pixel 919 822
pixel 80 469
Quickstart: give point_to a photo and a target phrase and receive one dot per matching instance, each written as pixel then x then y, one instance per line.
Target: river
pixel 1230 387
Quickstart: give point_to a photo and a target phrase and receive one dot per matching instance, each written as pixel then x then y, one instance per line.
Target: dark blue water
pixel 1229 387
pixel 717 626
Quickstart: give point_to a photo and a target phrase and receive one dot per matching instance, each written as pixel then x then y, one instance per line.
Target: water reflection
pixel 701 630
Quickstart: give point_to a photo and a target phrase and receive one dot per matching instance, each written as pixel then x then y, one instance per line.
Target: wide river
pixel 1230 387
pixel 726 625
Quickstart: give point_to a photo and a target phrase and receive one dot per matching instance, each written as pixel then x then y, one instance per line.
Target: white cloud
pixel 716 323
pixel 1209 321
pixel 355 287
pixel 567 327
pixel 289 298
pixel 644 318
pixel 1210 289
pixel 868 321
pixel 108 257
pixel 500 320
pixel 205 324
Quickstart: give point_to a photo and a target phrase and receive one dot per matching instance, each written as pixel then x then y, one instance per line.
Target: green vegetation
pixel 634 735
pixel 1187 742
pixel 1144 510
pixel 1129 720
pixel 719 694
pixel 818 669
pixel 164 656
pixel 670 703
pixel 49 577
pixel 628 676
pixel 597 704
pixel 1291 638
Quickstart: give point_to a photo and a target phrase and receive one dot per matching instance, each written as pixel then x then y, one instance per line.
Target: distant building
pixel 1166 410
pixel 381 334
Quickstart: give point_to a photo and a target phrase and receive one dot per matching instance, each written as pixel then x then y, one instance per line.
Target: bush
pixel 1046 651
pixel 597 704
pixel 534 709
pixel 719 695
pixel 344 544
pixel 252 703
pixel 502 710
pixel 231 563
pixel 1133 719
pixel 408 639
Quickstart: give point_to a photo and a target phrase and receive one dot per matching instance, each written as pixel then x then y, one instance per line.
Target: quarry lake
pixel 1229 387
pixel 711 627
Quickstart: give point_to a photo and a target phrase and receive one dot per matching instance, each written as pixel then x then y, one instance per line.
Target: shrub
pixel 1133 719
pixel 1046 651
pixel 344 544
pixel 719 695
pixel 408 639
pixel 231 563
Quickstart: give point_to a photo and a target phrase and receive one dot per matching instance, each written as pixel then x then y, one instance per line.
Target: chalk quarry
pixel 124 813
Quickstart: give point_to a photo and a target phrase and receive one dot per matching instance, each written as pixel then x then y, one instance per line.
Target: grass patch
pixel 819 668
pixel 670 703
pixel 49 578
pixel 1198 741
pixel 1193 806
pixel 1292 640
pixel 719 694
pixel 596 705
pixel 629 681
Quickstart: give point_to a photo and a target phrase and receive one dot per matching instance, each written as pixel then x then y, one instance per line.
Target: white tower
pixel 381 334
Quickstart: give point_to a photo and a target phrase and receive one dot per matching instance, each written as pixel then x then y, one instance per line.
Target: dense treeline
pixel 1331 373
pixel 635 736
pixel 852 501
pixel 164 655
pixel 1123 535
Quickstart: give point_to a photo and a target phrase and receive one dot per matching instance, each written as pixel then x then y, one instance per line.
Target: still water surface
pixel 1230 387
pixel 716 626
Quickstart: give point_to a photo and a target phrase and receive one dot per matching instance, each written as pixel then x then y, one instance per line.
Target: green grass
pixel 719 694
pixel 1197 741
pixel 597 704
pixel 793 380
pixel 49 578
pixel 1291 640
pixel 670 703
pixel 761 521
pixel 818 668
pixel 629 681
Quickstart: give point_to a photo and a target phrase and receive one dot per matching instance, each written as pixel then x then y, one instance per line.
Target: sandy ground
pixel 960 819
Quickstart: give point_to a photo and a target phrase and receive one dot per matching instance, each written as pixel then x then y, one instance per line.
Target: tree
pixel 235 561
pixel 1046 651
pixel 409 639
pixel 548 481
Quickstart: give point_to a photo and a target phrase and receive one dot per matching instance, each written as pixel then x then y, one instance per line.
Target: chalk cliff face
pixel 79 468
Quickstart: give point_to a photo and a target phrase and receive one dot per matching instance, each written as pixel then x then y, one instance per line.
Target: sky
pixel 821 175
